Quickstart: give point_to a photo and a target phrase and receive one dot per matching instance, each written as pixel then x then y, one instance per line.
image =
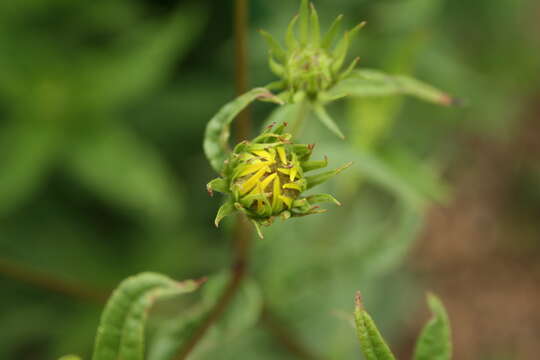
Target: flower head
pixel 265 178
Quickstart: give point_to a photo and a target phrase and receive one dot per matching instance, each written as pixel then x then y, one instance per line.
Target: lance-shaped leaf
pixel 327 121
pixel 340 53
pixel 314 164
pixel 275 46
pixel 121 330
pixel 314 27
pixel 217 184
pixel 434 341
pixel 315 180
pixel 304 21
pixel 225 210
pixel 367 82
pixel 372 343
pixel 319 198
pixel 217 132
pixel 290 39
pixel 330 36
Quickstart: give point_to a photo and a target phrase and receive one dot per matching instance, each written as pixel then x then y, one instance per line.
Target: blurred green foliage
pixel 103 106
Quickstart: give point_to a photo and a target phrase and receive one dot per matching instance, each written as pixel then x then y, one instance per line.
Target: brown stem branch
pixel 50 283
pixel 242 231
pixel 285 337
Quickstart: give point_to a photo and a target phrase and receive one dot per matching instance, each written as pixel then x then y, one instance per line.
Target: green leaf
pixel 121 330
pixel 367 82
pixel 225 210
pixel 242 314
pixel 304 21
pixel 410 179
pixel 318 198
pixel 70 357
pixel 274 45
pixel 127 172
pixel 330 36
pixel 290 39
pixel 434 342
pixel 315 180
pixel 372 343
pixel 217 132
pixel 314 30
pixel 31 148
pixel 327 121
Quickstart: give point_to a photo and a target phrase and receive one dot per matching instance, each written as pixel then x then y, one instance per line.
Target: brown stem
pixel 285 337
pixel 242 231
pixel 243 123
pixel 49 282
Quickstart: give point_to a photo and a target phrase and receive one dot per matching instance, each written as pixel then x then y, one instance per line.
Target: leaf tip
pixel 358 300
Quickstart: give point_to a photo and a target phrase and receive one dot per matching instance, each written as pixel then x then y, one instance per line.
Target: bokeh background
pixel 103 105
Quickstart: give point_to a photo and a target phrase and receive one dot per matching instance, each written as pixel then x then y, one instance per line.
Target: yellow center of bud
pixel 268 181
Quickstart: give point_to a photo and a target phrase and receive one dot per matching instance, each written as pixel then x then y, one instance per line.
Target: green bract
pixel 309 65
pixel 265 178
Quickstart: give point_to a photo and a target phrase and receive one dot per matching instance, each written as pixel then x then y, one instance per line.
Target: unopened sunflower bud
pixel 308 64
pixel 266 178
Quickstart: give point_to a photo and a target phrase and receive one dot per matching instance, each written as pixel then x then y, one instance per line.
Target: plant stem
pixel 242 231
pixel 51 283
pixel 243 123
pixel 303 111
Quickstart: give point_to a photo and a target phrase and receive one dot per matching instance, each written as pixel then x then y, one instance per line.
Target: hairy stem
pixel 242 231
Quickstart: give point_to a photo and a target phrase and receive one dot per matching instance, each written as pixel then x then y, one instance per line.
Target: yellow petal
pixel 293 173
pixel 284 171
pixel 264 154
pixel 292 186
pixel 268 180
pixel 251 168
pixel 251 182
pixel 277 192
pixel 287 200
pixel 282 155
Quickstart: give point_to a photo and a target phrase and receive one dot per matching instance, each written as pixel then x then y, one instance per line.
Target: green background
pixel 103 106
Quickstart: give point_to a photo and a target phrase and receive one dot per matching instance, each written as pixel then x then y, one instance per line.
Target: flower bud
pixel 309 65
pixel 265 178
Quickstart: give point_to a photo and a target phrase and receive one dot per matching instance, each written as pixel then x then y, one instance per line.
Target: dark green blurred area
pixel 103 106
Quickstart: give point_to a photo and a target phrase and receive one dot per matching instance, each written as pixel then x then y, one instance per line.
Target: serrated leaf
pixel 327 121
pixel 434 342
pixel 367 82
pixel 217 132
pixel 121 330
pixel 372 343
